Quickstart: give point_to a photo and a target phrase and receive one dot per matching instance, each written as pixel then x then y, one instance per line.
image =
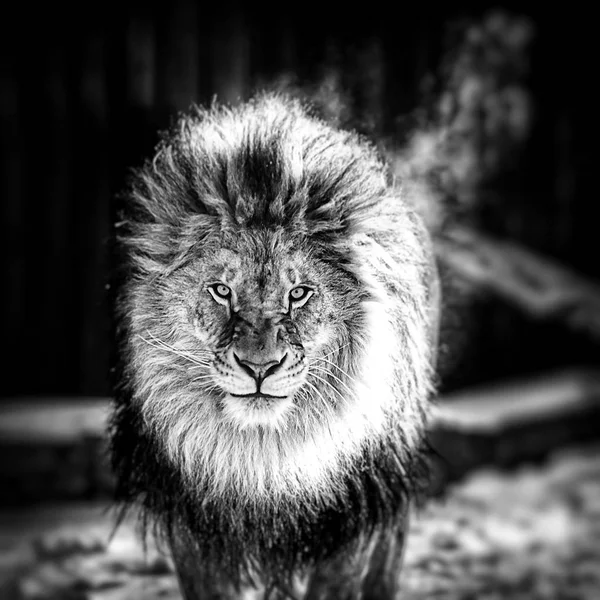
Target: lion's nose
pixel 259 371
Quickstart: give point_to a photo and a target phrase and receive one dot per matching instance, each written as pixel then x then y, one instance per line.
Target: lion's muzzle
pixel 259 371
pixel 260 356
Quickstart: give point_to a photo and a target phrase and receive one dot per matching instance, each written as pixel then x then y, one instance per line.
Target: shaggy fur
pixel 265 197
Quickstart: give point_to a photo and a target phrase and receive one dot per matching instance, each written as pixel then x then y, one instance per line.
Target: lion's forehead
pixel 263 270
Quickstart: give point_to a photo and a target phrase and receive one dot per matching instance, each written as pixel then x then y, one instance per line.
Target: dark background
pixel 85 89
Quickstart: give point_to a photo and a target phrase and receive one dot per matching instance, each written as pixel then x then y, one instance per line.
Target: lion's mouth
pixel 259 396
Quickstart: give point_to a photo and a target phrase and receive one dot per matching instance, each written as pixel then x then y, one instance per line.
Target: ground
pixel 529 534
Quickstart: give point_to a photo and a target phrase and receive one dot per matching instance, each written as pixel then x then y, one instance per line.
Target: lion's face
pixel 264 314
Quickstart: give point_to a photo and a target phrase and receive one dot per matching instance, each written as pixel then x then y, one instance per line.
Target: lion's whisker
pixel 196 354
pixel 323 370
pixel 337 349
pixel 323 380
pixel 159 344
pixel 202 378
pixel 174 348
pixel 342 371
pixel 325 403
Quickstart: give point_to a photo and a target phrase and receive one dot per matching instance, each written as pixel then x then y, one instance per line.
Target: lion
pixel 276 318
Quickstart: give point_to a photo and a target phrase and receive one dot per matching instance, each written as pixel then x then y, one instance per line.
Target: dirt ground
pixel 531 534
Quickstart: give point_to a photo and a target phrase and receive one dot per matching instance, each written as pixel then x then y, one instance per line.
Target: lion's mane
pixel 271 166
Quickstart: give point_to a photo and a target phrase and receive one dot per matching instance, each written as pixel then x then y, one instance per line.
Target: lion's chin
pixel 257 410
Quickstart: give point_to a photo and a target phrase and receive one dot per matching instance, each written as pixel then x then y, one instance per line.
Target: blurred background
pixel 487 112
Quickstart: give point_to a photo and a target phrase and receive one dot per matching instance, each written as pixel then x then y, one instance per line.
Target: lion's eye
pixel 220 292
pixel 300 295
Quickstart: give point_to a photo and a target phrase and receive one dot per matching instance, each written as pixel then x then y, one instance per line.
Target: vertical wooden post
pixel 140 48
pixel 230 53
pixel 178 56
pixel 48 296
pixel 13 239
pixel 93 211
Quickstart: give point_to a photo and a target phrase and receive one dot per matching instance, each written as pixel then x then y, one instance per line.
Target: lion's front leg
pixel 372 572
pixel 196 581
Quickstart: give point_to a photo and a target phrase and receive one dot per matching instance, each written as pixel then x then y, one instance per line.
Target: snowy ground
pixel 533 534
